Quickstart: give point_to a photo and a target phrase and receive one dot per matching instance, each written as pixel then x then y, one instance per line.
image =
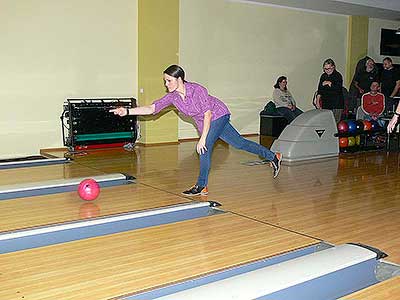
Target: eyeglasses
pixel 327 69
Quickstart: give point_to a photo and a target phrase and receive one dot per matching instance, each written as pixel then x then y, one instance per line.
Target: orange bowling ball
pixel 367 125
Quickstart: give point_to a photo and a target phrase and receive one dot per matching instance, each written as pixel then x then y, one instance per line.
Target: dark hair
pixel 175 71
pixel 388 59
pixel 280 79
pixel 329 61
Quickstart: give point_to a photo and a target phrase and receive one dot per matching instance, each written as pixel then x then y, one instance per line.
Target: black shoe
pixel 196 190
pixel 276 163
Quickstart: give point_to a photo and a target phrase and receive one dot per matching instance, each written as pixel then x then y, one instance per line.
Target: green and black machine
pixel 88 123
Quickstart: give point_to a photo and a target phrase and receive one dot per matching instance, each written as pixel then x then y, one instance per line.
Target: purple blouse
pixel 196 103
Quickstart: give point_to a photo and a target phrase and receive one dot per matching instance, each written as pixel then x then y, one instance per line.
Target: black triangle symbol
pixel 320 132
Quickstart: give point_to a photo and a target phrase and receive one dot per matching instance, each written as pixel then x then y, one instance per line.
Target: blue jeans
pixel 380 121
pixel 289 114
pixel 223 129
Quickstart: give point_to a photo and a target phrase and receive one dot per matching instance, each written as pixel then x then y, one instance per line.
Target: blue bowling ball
pixel 375 125
pixel 352 126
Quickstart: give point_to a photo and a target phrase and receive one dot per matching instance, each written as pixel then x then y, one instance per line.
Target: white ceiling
pixel 385 4
pixel 381 9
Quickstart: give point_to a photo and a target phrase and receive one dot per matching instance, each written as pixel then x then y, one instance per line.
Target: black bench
pixel 272 125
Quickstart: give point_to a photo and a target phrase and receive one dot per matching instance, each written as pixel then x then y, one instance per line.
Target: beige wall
pixel 51 50
pixel 357 44
pixel 374 38
pixel 158 43
pixel 238 50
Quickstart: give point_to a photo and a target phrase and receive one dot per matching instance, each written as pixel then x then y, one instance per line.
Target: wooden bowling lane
pixel 43 173
pixel 350 199
pixel 114 265
pixel 56 208
pixel 354 198
pixel 388 289
pixel 137 162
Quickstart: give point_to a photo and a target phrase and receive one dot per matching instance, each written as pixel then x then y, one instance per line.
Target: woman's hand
pixel 327 82
pixel 318 101
pixel 392 123
pixel 201 146
pixel 120 111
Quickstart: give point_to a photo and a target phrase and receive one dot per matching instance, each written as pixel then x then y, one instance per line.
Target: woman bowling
pixel 212 119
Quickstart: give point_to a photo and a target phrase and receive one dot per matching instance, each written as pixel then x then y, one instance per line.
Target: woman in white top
pixel 284 101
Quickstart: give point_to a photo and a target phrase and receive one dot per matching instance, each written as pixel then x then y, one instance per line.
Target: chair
pixel 360 114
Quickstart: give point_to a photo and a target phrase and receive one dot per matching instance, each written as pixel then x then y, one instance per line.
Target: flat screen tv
pixel 390 42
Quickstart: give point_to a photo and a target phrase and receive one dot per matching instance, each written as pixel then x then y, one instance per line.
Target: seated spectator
pixel 364 78
pixel 373 104
pixel 330 90
pixel 284 101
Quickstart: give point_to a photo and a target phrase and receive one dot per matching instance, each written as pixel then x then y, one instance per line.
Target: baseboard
pixel 157 144
pixel 196 138
pixel 46 150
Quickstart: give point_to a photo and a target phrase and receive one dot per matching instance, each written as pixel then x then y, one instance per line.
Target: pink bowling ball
pixel 88 189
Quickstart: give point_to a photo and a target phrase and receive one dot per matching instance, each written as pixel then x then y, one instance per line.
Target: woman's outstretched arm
pixel 139 111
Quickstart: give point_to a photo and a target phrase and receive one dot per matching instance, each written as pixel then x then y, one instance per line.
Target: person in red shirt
pixel 373 104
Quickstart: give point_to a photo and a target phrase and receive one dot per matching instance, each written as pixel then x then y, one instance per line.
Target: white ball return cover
pixel 310 136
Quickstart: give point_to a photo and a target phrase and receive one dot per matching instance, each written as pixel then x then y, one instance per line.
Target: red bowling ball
pixel 88 189
pixel 342 127
pixel 343 142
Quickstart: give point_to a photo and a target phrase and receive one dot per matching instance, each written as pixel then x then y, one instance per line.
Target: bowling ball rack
pixel 88 124
pixel 366 140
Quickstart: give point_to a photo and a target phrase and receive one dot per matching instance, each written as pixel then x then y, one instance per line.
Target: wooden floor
pixel 43 173
pixel 136 260
pixel 389 289
pixel 353 198
pixel 56 208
